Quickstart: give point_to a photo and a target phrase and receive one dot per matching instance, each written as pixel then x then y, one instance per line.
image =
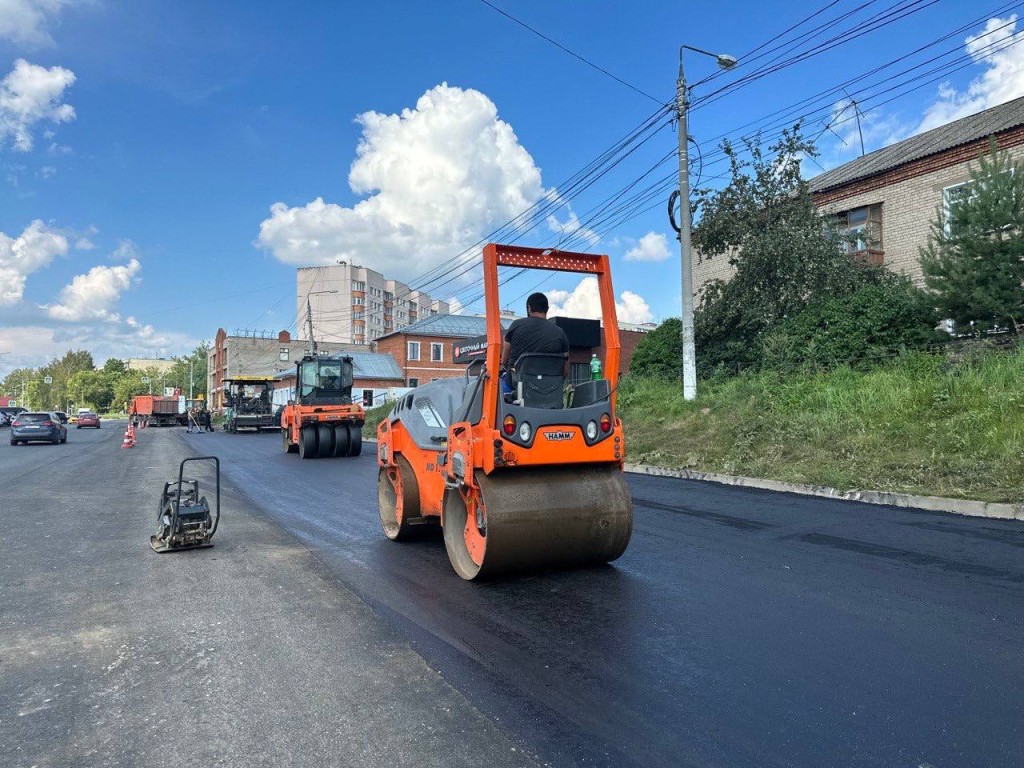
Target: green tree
pixel 114 366
pixel 659 353
pixel 126 387
pixel 974 261
pixel 92 388
pixel 54 396
pixel 785 254
pixel 13 382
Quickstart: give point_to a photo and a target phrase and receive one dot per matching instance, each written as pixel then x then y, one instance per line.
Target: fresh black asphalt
pixel 740 628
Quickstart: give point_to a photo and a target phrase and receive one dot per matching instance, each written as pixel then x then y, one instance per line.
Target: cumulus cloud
pixel 92 296
pixel 434 179
pixel 585 301
pixel 652 247
pixel 25 21
pixel 572 226
pixel 30 94
pixel 455 307
pixel 997 47
pixel 20 256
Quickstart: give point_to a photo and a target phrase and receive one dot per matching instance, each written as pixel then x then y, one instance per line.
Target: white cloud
pixel 652 247
pixel 585 301
pixel 30 94
pixel 455 307
pixel 572 227
pixel 998 47
pixel 20 256
pixel 92 296
pixel 25 21
pixel 126 250
pixel 435 179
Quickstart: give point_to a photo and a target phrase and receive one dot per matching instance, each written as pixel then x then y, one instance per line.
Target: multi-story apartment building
pixel 888 198
pixel 356 305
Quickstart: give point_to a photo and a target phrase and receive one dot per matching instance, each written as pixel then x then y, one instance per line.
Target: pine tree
pixel 974 261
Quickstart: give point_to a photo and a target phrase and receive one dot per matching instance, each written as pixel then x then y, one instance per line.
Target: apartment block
pixel 351 304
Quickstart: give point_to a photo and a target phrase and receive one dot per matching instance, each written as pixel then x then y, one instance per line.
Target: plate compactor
pixel 517 481
pixel 184 519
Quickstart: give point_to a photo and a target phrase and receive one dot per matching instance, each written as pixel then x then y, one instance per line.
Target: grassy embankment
pixel 921 424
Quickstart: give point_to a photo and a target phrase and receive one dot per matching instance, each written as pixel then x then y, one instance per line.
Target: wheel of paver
pixel 285 442
pixel 341 439
pixel 398 498
pixel 307 443
pixel 325 441
pixel 355 440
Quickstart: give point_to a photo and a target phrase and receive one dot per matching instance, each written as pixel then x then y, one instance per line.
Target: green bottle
pixel 595 368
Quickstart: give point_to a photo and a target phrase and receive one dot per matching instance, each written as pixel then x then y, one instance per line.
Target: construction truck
pixel 519 481
pixel 158 411
pixel 247 404
pixel 321 421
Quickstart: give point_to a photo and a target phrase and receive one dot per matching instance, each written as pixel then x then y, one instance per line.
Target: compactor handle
pixel 181 475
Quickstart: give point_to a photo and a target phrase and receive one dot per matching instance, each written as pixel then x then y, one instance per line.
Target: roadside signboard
pixel 145 379
pixel 48 380
pixel 468 350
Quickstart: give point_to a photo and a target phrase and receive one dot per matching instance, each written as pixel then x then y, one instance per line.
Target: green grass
pixel 374 416
pixel 921 424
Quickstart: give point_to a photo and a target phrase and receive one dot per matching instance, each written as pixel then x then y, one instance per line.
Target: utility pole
pixel 190 378
pixel 685 251
pixel 309 316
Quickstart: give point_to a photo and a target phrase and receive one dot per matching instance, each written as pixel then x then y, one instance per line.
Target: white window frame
pixel 439 347
pixel 413 381
pixel 282 354
pixel 409 353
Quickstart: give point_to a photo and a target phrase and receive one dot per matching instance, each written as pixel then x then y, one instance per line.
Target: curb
pixel 906 500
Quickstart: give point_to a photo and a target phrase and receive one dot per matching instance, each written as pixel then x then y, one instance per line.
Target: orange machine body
pixel 483 445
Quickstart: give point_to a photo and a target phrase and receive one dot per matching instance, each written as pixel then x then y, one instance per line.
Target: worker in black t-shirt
pixel 533 333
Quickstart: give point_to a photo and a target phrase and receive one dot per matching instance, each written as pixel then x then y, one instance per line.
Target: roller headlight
pixel 591 430
pixel 525 432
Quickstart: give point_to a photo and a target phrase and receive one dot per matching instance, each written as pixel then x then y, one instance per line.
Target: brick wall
pixel 910 195
pixel 425 369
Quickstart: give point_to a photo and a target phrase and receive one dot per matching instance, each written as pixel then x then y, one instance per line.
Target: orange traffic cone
pixel 129 438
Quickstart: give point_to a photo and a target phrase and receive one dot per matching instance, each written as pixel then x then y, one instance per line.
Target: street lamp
pixel 725 61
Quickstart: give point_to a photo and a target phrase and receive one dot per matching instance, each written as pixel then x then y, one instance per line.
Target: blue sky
pixel 162 133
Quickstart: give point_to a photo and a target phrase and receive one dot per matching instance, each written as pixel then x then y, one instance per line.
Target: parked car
pixel 88 420
pixel 62 416
pixel 43 426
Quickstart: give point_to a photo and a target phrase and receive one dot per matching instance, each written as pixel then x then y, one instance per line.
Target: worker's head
pixel 537 304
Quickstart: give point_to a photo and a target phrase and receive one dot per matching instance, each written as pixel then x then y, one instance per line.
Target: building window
pixel 367 398
pixel 436 352
pixel 357 301
pixel 412 351
pixel 861 231
pixel 358 285
pixel 282 354
pixel 956 193
pixel 358 315
pixel 414 382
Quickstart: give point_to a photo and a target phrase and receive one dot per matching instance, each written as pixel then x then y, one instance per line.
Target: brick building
pixel 424 350
pixel 257 354
pixel 888 198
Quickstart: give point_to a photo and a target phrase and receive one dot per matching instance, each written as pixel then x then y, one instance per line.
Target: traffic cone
pixel 129 438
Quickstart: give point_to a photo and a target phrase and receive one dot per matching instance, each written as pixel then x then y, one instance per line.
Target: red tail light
pixel 15 423
pixel 509 425
pixel 606 422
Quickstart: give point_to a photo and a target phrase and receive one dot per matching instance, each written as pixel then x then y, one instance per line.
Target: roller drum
pixel 325 441
pixel 342 439
pixel 540 518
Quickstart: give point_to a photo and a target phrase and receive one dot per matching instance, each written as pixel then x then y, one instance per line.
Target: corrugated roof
pixel 365 365
pixel 962 131
pixel 455 326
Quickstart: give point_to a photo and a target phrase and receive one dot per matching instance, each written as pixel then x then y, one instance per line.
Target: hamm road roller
pixel 322 421
pixel 521 481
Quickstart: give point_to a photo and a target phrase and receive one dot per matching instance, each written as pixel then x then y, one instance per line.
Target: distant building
pixel 888 198
pixel 357 305
pixel 257 354
pixel 159 364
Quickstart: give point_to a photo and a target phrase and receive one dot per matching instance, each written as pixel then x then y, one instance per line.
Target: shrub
pixel 859 328
pixel 659 353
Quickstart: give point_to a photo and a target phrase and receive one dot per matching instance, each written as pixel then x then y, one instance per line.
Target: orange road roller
pixel 522 480
pixel 322 421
